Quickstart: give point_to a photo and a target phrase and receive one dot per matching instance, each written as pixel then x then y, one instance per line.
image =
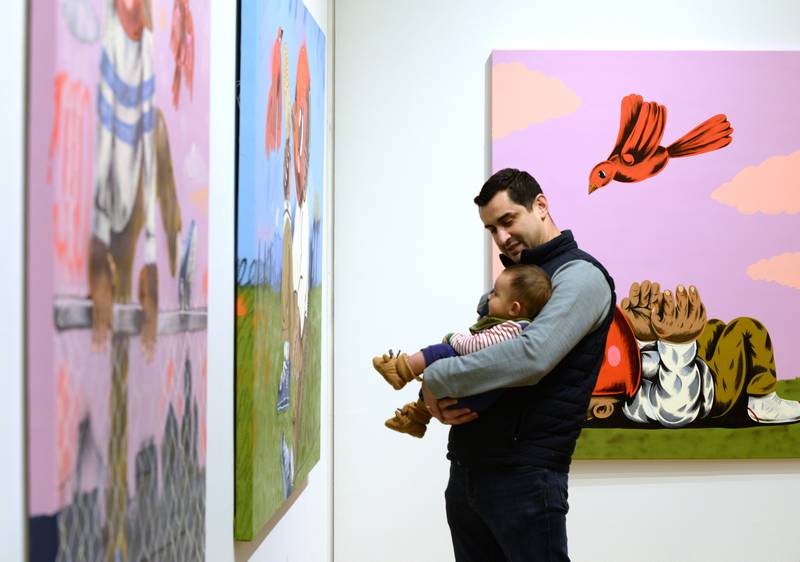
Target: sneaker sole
pixel 752 415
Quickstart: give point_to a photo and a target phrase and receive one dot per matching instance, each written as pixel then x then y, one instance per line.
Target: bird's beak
pixel 592 188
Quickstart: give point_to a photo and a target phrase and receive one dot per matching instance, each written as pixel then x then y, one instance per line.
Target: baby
pixel 520 292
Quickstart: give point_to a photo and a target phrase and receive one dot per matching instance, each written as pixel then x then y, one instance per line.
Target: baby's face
pixel 501 300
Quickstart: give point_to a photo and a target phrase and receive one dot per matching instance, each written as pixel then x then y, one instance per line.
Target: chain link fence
pixel 150 508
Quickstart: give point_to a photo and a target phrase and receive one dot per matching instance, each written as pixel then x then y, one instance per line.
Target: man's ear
pixel 540 206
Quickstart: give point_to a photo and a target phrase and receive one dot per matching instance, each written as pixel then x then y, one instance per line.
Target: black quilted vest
pixel 538 425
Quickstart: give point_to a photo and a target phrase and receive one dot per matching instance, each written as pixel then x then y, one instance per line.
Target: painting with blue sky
pixel 281 132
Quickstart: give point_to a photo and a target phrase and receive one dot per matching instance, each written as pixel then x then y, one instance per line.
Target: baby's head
pixel 520 291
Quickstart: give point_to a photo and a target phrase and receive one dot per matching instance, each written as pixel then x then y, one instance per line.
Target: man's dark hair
pixel 531 286
pixel 522 187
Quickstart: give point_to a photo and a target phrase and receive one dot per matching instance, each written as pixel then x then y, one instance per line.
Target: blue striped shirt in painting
pixel 128 133
pixel 124 93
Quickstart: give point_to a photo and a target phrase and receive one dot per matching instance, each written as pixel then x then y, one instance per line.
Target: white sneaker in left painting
pixel 772 409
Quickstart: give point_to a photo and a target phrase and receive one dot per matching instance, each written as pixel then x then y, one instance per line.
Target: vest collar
pixel 543 253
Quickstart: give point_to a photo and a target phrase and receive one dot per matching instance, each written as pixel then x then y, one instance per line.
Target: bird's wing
pixel 640 129
pixel 631 104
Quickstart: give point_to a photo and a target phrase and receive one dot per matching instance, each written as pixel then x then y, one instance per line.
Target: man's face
pixel 513 227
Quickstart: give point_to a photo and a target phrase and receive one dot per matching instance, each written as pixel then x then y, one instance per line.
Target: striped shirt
pixel 125 158
pixel 470 343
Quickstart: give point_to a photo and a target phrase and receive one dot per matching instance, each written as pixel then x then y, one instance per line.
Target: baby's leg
pixel 412 418
pixel 479 402
pixel 398 370
pixel 475 403
pixel 435 352
pixel 416 362
pixel 395 369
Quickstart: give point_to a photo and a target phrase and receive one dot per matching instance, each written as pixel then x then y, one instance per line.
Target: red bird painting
pixel 638 154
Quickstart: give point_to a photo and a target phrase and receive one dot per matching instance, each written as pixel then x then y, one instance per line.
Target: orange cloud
pixel 772 187
pixel 200 198
pixel 522 97
pixel 783 269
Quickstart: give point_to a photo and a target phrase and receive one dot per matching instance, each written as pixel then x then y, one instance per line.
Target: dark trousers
pixel 515 514
pixel 476 403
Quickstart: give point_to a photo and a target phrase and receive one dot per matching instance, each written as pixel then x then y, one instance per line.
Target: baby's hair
pixel 531 286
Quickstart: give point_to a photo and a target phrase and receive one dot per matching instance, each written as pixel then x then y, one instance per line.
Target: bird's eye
pixel 602 174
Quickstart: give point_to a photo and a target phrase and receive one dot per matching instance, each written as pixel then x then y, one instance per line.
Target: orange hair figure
pixel 301 123
pixel 274 101
pixel 181 42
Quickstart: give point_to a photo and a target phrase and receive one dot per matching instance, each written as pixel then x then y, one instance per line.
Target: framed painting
pixel 117 279
pixel 678 171
pixel 280 159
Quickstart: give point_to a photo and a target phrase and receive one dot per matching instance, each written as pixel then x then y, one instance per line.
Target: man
pixel 507 495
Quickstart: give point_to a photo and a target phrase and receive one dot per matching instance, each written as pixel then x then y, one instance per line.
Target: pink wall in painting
pixel 726 221
pixel 42 491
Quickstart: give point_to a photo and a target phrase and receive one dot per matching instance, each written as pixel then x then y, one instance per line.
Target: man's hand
pixel 440 410
pixel 637 307
pixel 681 318
pixel 148 299
pixel 102 287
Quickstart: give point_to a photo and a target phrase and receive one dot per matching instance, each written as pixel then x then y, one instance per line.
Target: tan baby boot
pixel 394 368
pixel 412 418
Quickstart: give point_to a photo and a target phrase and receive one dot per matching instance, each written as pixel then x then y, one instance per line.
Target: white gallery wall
pixel 411 151
pixel 305 533
pixel 12 170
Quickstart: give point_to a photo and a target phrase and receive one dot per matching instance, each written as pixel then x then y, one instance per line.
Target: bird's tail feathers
pixel 711 134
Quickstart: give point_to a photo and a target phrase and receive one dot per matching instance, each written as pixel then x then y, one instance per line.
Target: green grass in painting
pixel 259 426
pixel 758 442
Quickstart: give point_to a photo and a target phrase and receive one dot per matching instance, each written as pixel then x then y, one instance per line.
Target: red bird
pixel 638 156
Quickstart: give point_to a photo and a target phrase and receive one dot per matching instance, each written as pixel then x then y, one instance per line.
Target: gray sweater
pixel 580 301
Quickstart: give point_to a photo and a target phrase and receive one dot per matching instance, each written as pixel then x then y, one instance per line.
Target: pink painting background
pixel 668 228
pixel 64 364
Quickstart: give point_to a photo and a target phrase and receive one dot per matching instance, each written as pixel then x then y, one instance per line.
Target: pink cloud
pixel 783 269
pixel 522 97
pixel 772 187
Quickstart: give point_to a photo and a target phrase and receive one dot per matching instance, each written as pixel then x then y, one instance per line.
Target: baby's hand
pixel 447 336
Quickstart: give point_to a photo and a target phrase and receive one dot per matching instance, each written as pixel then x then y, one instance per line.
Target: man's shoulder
pixel 581 288
pixel 583 281
pixel 581 269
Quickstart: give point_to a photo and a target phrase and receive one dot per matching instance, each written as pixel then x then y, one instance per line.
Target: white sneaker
pixel 772 409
